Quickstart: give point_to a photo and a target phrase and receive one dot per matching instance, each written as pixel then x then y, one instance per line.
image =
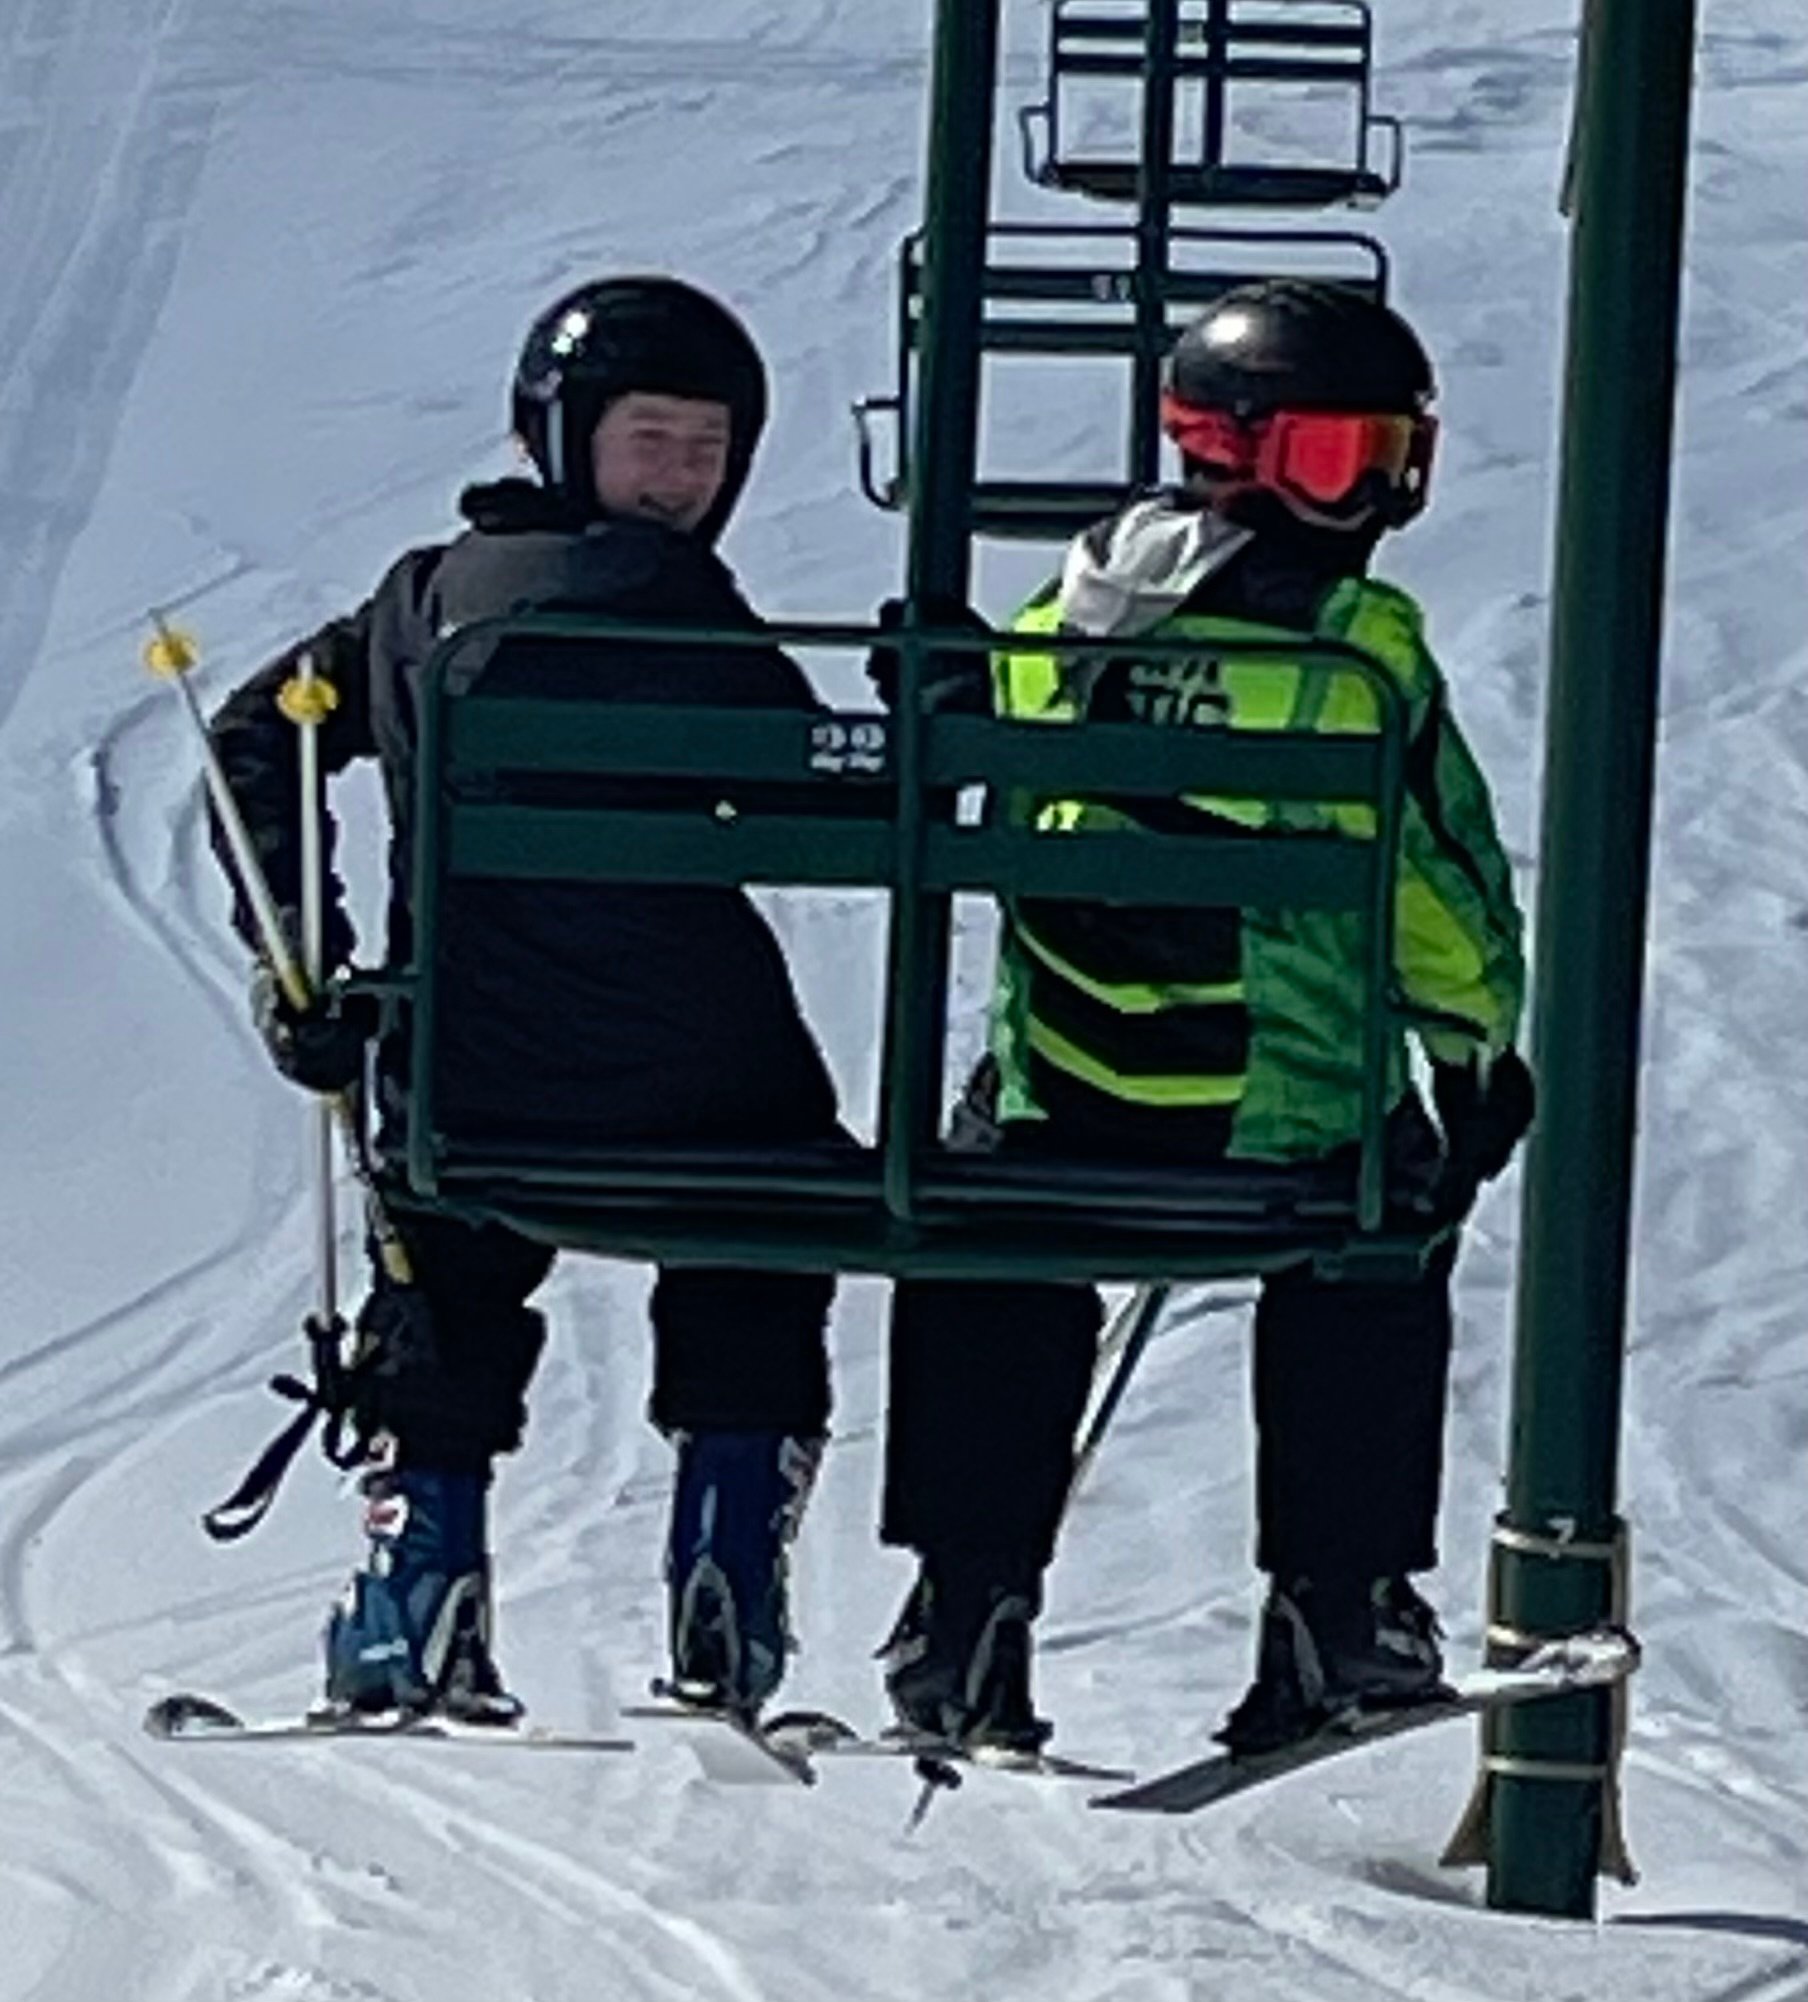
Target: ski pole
pixel 307 700
pixel 172 655
pixel 1125 1339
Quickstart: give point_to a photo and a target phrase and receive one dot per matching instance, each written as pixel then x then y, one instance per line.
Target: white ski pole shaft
pixel 172 655
pixel 305 701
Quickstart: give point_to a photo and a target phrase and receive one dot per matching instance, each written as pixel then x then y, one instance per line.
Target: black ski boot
pixel 1330 1647
pixel 958 1664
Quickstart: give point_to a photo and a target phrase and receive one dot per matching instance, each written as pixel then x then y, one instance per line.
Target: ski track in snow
pixel 94 181
pixel 773 151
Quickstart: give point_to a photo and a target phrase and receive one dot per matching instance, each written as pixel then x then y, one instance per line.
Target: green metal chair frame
pixel 1079 289
pixel 861 800
pixel 1218 44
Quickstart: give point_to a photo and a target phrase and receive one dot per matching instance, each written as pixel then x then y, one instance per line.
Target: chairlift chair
pixel 1224 55
pixel 858 800
pixel 1061 289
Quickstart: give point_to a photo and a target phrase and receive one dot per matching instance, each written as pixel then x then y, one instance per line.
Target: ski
pixel 1593 1660
pixel 186 1718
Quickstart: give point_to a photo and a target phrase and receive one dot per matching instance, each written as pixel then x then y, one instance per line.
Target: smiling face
pixel 661 458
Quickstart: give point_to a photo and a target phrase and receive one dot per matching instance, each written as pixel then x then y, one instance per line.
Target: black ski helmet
pixel 1306 345
pixel 621 334
pixel 1298 344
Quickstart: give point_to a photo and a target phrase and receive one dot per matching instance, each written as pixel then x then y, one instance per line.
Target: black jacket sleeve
pixel 702 590
pixel 792 687
pixel 260 752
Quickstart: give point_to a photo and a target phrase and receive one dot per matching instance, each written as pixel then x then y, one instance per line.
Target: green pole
pixel 945 449
pixel 1154 209
pixel 1552 1800
pixel 944 461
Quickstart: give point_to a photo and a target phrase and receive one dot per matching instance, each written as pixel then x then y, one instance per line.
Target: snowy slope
pixel 265 266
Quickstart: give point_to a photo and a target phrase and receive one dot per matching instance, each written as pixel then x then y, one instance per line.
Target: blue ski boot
pixel 412 1632
pixel 736 1504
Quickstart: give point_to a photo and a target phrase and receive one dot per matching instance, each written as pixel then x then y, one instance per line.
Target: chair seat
pixel 823 1207
pixel 1222 186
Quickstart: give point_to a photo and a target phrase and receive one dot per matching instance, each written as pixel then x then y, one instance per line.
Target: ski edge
pixel 187 1718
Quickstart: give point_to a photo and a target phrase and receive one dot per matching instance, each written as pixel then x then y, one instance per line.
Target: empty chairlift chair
pixel 1057 290
pixel 1302 68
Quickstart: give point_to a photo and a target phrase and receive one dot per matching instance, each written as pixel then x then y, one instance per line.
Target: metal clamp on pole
pixel 1510 1638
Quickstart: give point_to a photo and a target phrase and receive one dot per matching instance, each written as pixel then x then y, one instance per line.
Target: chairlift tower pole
pixel 944 461
pixel 1549 1781
pixel 957 205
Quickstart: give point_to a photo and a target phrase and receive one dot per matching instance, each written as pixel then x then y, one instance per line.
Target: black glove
pixel 1484 1115
pixel 321 1047
pixel 955 682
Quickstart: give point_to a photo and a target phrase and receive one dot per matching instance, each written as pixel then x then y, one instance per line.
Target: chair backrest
pixel 1312 58
pixel 1089 291
pixel 859 800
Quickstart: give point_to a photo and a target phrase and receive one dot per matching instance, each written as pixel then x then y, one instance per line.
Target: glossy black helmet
pixel 637 333
pixel 1297 344
pixel 1265 356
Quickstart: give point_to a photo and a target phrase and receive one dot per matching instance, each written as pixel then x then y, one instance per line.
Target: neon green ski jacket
pixel 1253 1013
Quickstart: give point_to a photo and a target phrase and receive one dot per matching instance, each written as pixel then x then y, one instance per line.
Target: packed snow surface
pixel 266 266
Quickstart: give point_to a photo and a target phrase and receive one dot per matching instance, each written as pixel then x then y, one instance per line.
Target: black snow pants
pixel 989 1383
pixel 738 1350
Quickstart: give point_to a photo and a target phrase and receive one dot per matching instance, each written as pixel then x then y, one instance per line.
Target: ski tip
pixel 810 1730
pixel 185 1714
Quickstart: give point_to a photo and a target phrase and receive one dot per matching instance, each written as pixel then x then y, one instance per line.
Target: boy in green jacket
pixel 1301 412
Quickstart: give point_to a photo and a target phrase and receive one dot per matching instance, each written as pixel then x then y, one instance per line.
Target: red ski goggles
pixel 1316 460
